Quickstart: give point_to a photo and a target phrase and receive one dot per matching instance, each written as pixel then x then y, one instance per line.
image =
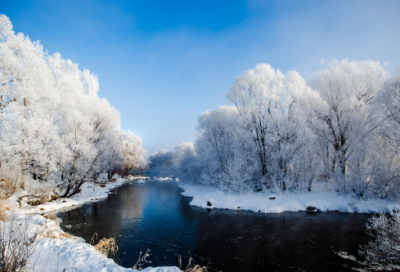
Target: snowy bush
pixel 39 189
pixel 10 181
pixel 385 248
pixel 17 244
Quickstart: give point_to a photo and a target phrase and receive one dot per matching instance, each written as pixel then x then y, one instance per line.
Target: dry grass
pixel 65 235
pixel 50 229
pixel 5 208
pixel 105 246
pixel 142 260
pixel 191 267
pixel 52 216
pixel 60 235
pixel 197 268
pixel 7 187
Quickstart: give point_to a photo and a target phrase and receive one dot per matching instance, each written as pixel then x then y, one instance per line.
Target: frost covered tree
pixel 347 121
pixel 133 153
pixel 166 162
pixel 162 160
pixel 53 126
pixel 251 95
pixel 283 132
pixel 224 151
pixel 28 136
pixel 387 177
pixel 274 110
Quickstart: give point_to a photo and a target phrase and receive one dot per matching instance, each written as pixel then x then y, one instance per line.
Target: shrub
pixel 17 244
pixel 105 247
pixel 385 248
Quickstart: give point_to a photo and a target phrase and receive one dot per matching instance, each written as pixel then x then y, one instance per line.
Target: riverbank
pixel 320 199
pixel 89 192
pixel 56 250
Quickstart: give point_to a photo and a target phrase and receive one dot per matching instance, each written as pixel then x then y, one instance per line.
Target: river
pixel 156 216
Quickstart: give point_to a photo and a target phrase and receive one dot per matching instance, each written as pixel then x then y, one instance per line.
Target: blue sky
pixel 162 63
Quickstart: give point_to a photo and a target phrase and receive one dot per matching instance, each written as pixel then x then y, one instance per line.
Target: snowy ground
pixel 90 192
pixel 320 198
pixel 56 251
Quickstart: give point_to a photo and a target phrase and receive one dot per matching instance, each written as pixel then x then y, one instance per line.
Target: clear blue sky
pixel 162 63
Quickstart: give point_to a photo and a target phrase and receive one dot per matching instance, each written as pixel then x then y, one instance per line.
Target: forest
pixel 282 133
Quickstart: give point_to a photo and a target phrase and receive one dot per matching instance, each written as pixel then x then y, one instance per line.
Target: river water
pixel 156 216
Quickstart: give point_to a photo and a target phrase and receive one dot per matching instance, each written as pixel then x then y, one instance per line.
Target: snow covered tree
pixel 162 160
pixel 347 122
pixel 27 100
pixel 387 159
pixel 167 162
pixel 251 94
pixel 53 126
pixel 274 110
pixel 134 156
pixel 224 151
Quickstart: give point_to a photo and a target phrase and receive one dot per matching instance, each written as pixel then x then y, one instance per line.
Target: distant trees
pixel 134 156
pixel 283 132
pixel 167 161
pixel 53 125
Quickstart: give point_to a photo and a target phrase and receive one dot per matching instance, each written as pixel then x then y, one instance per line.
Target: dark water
pixel 155 216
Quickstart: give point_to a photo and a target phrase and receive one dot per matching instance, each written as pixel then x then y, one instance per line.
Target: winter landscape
pixel 254 136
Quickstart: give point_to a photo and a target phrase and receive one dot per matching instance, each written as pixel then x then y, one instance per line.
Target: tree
pixel 252 95
pixel 274 110
pixel 53 125
pixel 224 151
pixel 28 137
pixel 134 156
pixel 349 90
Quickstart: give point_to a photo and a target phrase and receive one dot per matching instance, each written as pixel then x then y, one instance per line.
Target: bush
pixel 105 247
pixel 385 248
pixel 17 244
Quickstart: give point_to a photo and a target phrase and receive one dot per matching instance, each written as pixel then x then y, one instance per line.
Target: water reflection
pixel 155 216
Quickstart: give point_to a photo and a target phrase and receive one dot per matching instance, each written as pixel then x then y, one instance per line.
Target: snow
pixel 140 181
pixel 90 192
pixel 56 251
pixel 322 199
pixel 162 179
pixel 60 253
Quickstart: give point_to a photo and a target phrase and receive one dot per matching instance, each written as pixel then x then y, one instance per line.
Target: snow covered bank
pixel 323 200
pixel 90 192
pixel 57 251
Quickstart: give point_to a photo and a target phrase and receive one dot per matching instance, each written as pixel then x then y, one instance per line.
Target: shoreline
pixel 57 250
pixel 320 200
pixel 91 192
